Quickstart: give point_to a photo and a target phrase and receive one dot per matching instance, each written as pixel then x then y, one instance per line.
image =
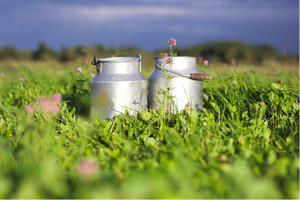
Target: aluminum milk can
pixel 117 86
pixel 186 84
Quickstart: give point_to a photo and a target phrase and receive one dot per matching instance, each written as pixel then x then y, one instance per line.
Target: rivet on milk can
pixel 117 86
pixel 186 84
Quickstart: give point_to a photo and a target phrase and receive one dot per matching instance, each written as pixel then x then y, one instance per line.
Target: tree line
pixel 218 52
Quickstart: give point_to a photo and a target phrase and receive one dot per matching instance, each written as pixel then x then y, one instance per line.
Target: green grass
pixel 243 144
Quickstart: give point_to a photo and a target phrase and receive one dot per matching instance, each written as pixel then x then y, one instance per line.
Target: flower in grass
pixel 49 105
pixel 169 60
pixel 92 74
pixel 54 109
pixel 262 103
pixel 85 62
pixel 79 69
pixel 1 74
pixel 87 168
pixel 45 104
pixel 21 79
pixel 29 109
pixel 188 105
pixel 56 97
pixel 165 55
pixel 172 42
pixel 205 62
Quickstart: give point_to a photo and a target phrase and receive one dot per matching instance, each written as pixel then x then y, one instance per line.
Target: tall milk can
pixel 186 84
pixel 117 86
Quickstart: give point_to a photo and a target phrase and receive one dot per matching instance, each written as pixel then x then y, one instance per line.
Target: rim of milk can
pixel 98 62
pixel 119 59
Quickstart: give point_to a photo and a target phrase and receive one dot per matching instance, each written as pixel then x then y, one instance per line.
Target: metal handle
pixel 200 77
pixel 97 64
pixel 193 76
pixel 140 60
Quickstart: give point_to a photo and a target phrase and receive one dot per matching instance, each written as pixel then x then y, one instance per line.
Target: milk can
pixel 186 84
pixel 117 86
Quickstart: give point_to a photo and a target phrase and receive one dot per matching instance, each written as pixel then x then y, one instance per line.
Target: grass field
pixel 243 144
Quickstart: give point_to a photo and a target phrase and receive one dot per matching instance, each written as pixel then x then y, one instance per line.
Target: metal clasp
pixel 97 64
pixel 140 60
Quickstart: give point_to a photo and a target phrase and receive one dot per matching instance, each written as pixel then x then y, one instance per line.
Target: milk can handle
pixel 200 77
pixel 193 76
pixel 98 65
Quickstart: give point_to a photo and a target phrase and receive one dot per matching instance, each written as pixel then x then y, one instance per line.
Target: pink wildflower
pixel 54 109
pixel 45 104
pixel 56 97
pixel 79 69
pixel 233 60
pixel 205 62
pixel 165 55
pixel 87 168
pixel 169 60
pixel 225 64
pixel 172 41
pixel 50 105
pixel 1 74
pixel 262 103
pixel 29 109
pixel 21 79
pixel 85 62
pixel 188 105
pixel 92 74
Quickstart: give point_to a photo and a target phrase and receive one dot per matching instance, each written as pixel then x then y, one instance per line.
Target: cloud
pixel 195 10
pixel 106 14
pixel 109 21
pixel 158 13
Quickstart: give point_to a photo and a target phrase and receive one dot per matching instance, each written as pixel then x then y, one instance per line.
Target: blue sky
pixel 148 24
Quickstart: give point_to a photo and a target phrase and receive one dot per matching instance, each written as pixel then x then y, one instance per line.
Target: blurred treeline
pixel 215 52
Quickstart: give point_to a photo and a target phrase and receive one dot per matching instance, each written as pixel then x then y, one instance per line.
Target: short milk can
pixel 186 84
pixel 117 86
